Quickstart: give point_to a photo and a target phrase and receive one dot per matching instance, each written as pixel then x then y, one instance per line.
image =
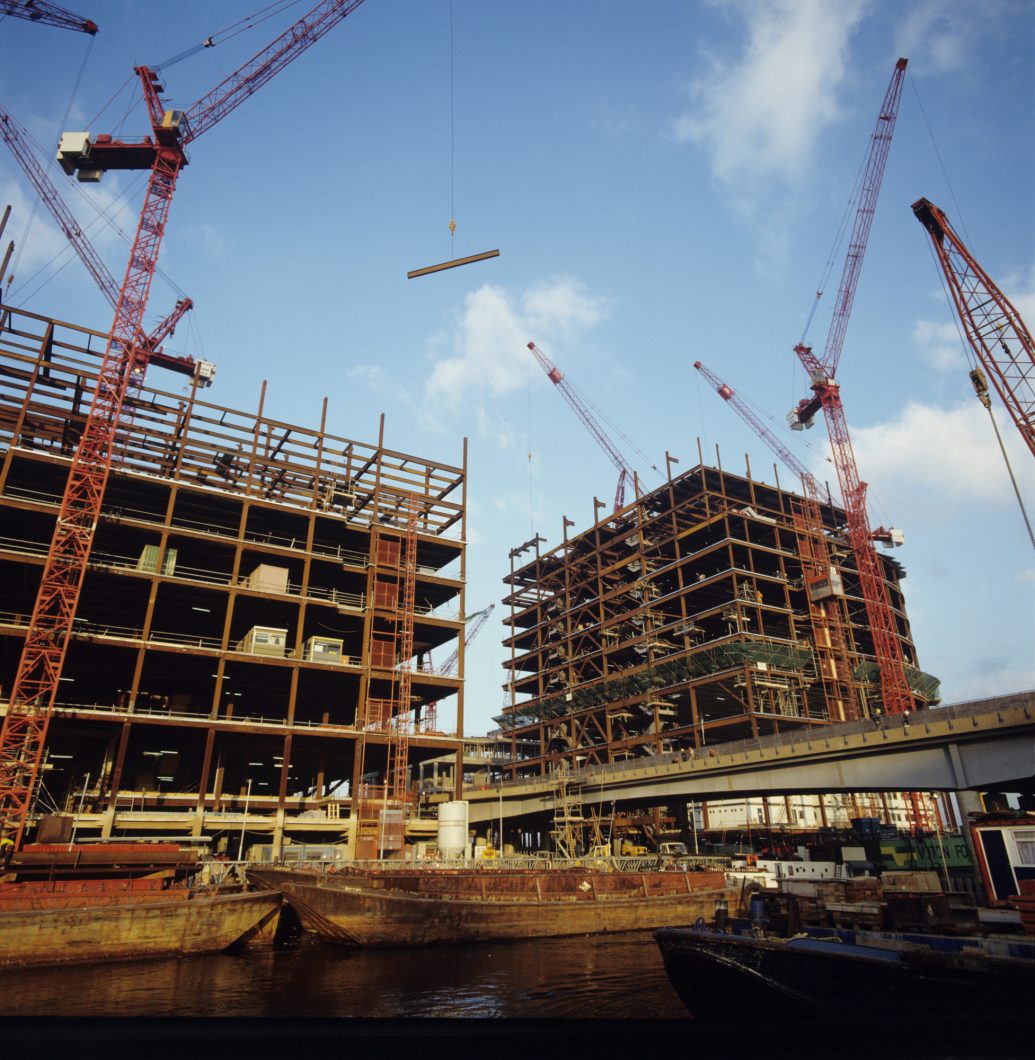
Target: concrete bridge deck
pixel 979 745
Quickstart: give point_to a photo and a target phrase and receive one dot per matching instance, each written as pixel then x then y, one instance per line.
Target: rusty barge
pixel 95 926
pixel 429 906
pixel 70 904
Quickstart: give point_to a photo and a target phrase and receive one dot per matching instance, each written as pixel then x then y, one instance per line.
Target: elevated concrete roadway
pixel 981 745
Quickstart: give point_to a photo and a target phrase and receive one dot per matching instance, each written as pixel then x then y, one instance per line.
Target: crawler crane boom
pixel 998 336
pixel 625 472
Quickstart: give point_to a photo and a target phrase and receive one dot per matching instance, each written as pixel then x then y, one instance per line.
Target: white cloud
pixel 933 458
pixel 761 116
pixel 375 378
pixel 45 242
pixel 492 332
pixel 940 345
pixel 560 305
pixel 495 429
pixel 101 213
pixel 1020 290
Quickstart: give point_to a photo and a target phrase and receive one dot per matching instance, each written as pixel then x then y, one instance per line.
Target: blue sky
pixel 664 181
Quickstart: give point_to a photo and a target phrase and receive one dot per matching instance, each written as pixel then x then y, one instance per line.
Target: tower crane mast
pixel 895 692
pixel 49 632
pixel 147 346
pixel 998 336
pixel 47 14
pixel 821 579
pixel 625 472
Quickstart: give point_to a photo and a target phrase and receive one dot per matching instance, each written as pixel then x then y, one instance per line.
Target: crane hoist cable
pixel 453 262
pixel 231 31
pixel 980 384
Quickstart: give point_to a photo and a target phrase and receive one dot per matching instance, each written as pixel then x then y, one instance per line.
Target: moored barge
pixel 428 906
pixel 69 904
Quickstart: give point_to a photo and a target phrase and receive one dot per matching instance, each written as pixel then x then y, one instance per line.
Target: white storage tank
pixel 452 829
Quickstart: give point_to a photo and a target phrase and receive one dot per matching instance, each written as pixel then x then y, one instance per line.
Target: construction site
pixel 230 630
pixel 250 592
pixel 686 619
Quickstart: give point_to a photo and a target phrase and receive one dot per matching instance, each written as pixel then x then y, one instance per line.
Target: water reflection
pixel 614 977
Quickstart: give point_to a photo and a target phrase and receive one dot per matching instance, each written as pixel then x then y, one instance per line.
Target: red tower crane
pixel 625 472
pixel 822 580
pixel 895 692
pixel 50 627
pixel 998 336
pixel 47 14
pixel 147 347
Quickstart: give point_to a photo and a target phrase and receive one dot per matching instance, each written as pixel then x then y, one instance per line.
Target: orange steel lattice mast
pixel 821 579
pixel 895 692
pixel 996 333
pixel 35 686
pixel 399 746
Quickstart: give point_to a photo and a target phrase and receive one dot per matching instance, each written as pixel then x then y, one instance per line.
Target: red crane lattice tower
pixel 895 692
pixel 625 472
pixel 821 579
pixel 998 336
pixel 50 627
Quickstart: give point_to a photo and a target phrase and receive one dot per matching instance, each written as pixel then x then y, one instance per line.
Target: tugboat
pixel 835 972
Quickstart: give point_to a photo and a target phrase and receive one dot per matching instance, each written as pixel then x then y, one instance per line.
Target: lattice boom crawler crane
pixel 998 336
pixel 625 472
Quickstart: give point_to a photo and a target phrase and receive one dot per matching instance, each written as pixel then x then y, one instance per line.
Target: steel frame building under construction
pixel 251 649
pixel 686 619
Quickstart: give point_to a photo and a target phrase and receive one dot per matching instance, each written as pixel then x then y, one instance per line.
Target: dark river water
pixel 594 977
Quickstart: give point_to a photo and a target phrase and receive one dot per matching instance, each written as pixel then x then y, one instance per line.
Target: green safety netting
pixel 925 685
pixel 661 675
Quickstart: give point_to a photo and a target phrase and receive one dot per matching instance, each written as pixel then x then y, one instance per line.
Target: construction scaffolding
pixel 227 653
pixel 691 616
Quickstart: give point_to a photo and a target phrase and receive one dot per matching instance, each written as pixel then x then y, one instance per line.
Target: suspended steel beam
pixel 452 264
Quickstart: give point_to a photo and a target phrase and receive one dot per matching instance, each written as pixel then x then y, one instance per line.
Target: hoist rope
pixel 220 36
pixel 452 134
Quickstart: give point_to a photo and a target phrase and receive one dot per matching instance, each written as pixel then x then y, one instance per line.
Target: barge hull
pixel 135 930
pixel 351 911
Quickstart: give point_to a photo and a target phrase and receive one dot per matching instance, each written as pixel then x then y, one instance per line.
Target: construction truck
pixel 632 850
